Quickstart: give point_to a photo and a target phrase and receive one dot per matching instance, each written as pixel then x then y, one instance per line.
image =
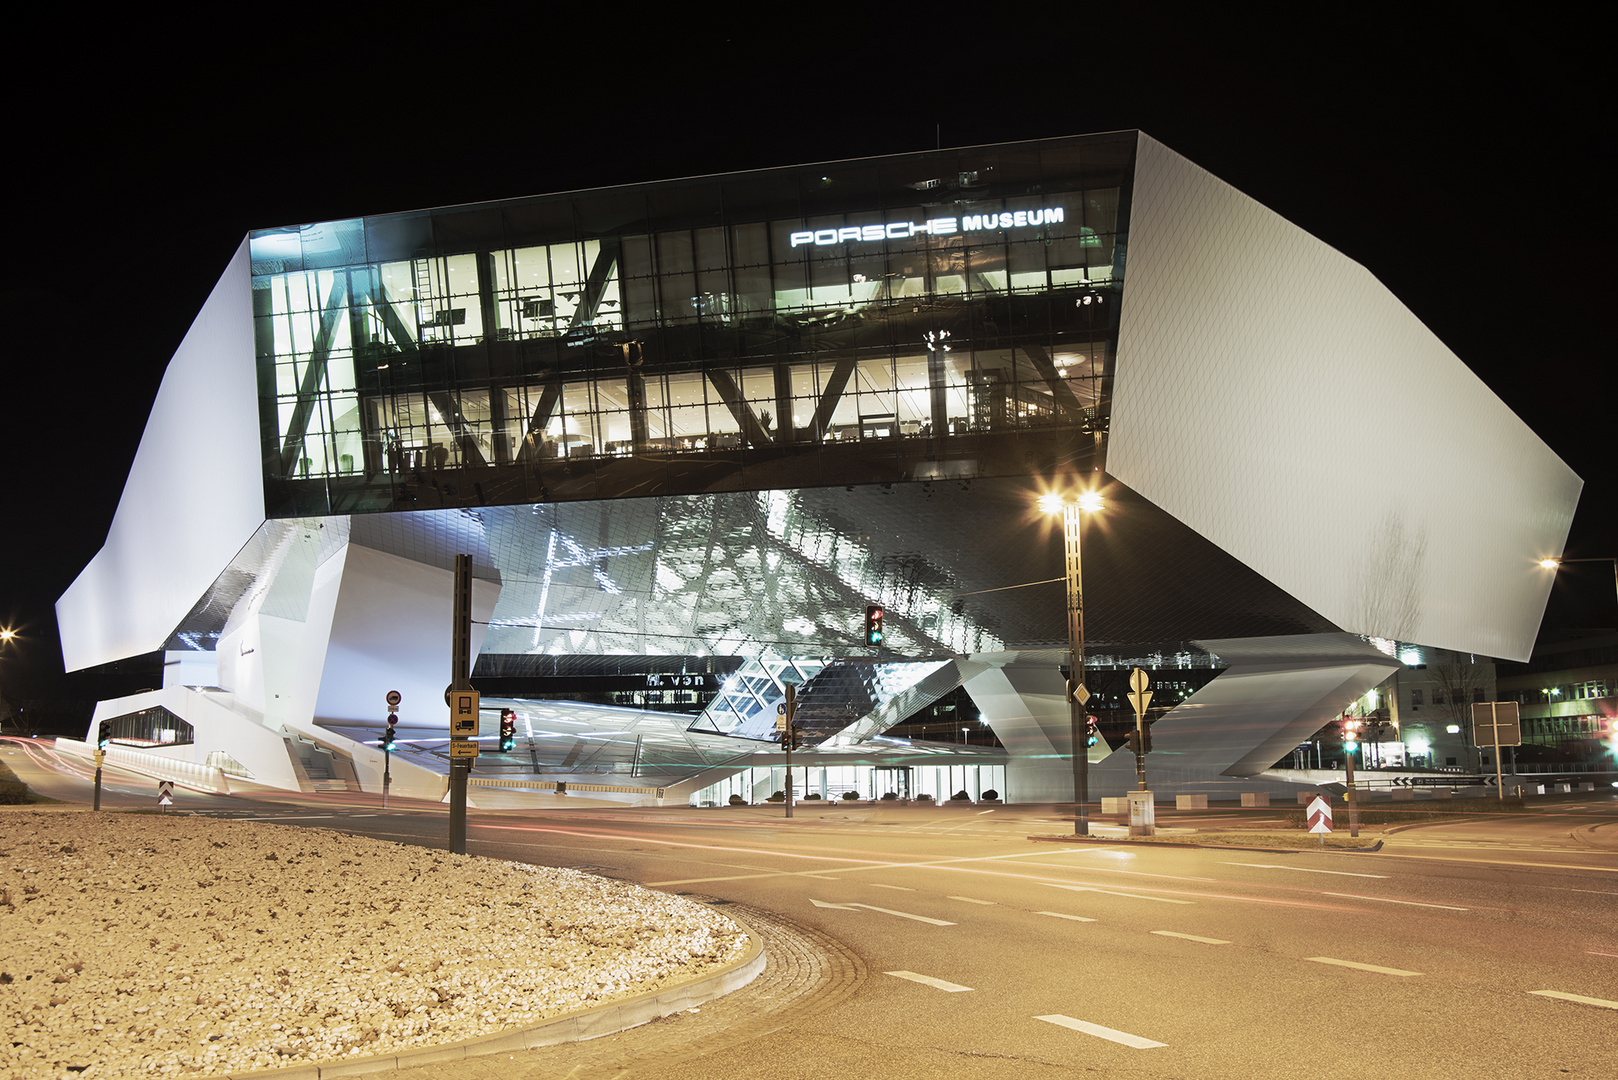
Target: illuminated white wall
pixel 195 492
pixel 391 626
pixel 1277 398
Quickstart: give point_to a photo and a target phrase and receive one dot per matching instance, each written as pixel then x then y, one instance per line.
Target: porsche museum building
pixel 689 430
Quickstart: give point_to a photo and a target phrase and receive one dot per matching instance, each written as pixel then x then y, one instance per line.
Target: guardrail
pixel 188 774
pixel 566 785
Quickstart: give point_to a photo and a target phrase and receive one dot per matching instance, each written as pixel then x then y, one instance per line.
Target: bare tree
pixel 1460 682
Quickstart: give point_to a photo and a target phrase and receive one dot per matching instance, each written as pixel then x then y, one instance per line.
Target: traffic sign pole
pixel 791 707
pixel 463 702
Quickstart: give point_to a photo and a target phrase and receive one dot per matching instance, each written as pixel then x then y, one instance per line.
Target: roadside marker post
pixel 1319 817
pixel 165 793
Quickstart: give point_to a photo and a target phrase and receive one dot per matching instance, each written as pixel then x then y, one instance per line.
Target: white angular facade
pixel 360 401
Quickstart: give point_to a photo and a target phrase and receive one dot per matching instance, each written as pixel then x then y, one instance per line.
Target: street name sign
pixel 1319 814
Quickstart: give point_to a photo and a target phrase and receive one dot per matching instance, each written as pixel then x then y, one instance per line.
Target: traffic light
pixel 1351 733
pixel 388 736
pixel 1145 738
pixel 508 729
pixel 1134 742
pixel 104 734
pixel 873 624
pixel 1092 731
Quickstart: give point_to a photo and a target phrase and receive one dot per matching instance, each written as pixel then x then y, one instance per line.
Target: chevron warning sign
pixel 1319 814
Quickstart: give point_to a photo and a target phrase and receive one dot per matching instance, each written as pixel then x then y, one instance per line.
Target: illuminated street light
pixel 1552 564
pixel 1077 694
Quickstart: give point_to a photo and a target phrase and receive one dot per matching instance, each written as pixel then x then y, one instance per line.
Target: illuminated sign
pixel 943 226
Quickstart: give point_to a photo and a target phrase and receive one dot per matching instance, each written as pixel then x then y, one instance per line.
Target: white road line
pixel 883 910
pixel 1303 869
pixel 1385 900
pixel 972 900
pixel 928 980
pixel 1110 1034
pixel 1602 1002
pixel 1360 967
pixel 904 915
pixel 1191 937
pixel 879 885
pixel 1109 892
pixel 820 877
pixel 1064 915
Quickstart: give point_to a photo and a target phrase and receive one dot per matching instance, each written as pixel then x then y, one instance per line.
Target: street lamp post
pixel 1077 693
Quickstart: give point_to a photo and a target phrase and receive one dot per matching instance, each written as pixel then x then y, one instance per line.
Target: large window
pixel 908 309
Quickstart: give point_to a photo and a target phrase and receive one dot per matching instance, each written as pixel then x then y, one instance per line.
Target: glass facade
pixel 946 314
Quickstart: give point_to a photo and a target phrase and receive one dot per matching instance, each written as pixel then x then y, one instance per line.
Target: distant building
pixel 688 430
pixel 1567 693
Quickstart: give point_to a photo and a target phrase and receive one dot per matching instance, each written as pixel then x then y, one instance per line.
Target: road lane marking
pixel 904 915
pixel 1064 915
pixel 1385 900
pixel 1303 869
pixel 879 885
pixel 1360 967
pixel 971 900
pixel 883 910
pixel 1110 1034
pixel 817 877
pixel 928 980
pixel 1601 1002
pixel 1109 892
pixel 1191 937
pixel 1592 952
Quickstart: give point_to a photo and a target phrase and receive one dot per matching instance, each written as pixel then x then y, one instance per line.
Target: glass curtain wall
pixel 743 320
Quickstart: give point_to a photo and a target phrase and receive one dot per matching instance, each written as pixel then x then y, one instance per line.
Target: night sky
pixel 1463 160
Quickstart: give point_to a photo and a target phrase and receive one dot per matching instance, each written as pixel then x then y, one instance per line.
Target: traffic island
pixel 138 945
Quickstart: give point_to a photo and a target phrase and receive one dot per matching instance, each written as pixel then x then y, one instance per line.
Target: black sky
pixel 1463 159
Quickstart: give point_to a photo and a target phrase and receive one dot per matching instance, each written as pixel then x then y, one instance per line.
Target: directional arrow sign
pixel 1319 814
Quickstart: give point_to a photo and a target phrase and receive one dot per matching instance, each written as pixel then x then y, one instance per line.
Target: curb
pixel 1585 836
pixel 1188 844
pixel 576 1026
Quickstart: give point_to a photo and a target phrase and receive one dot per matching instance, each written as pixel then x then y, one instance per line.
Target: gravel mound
pixel 138 945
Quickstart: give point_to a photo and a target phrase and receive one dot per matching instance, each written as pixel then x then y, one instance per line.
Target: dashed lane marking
pixel 883 910
pixel 1191 937
pixel 1407 903
pixel 1109 892
pixel 928 980
pixel 1598 1002
pixel 896 888
pixel 1303 869
pixel 1360 967
pixel 1064 915
pixel 1110 1034
pixel 972 900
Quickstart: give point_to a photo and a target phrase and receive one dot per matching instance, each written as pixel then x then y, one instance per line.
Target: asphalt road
pixel 943 942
